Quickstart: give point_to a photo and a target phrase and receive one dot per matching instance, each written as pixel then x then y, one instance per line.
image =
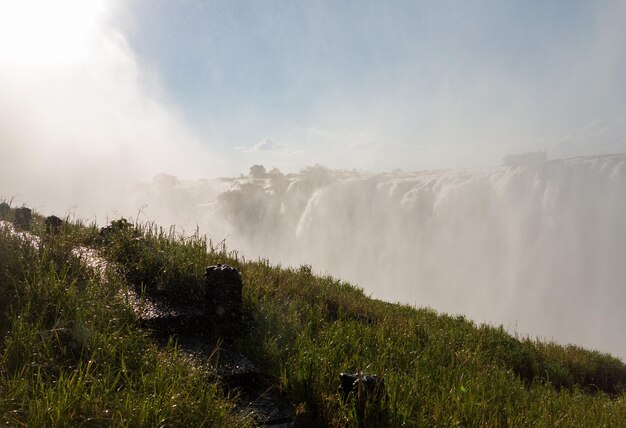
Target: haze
pixel 97 97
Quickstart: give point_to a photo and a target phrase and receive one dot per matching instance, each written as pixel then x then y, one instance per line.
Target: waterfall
pixel 538 247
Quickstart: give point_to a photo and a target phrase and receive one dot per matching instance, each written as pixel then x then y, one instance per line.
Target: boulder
pixel 53 224
pixel 23 217
pixel 362 385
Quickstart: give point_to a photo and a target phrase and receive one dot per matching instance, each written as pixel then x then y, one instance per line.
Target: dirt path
pixel 258 395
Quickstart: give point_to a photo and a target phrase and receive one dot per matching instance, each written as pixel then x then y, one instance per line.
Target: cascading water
pixel 540 247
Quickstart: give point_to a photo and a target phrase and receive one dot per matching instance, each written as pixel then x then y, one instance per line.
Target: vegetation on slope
pixel 72 352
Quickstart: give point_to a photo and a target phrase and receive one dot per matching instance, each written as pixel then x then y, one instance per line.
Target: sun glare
pixel 44 32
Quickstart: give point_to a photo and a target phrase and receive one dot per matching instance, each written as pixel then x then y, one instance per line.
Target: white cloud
pixel 267 145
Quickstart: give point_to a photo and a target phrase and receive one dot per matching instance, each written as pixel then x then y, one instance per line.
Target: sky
pixel 127 89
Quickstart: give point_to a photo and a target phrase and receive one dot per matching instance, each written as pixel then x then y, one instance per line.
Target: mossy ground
pixel 72 352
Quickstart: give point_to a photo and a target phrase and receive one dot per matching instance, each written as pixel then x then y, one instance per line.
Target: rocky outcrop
pixel 23 218
pixel 53 224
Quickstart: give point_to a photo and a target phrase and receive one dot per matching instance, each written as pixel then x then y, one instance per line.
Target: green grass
pixel 438 370
pixel 72 352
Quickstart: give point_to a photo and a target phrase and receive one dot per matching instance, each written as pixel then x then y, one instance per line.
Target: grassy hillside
pixel 73 353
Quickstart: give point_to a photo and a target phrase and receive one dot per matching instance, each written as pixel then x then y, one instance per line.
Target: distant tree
pixel 275 172
pixel 279 182
pixel 258 171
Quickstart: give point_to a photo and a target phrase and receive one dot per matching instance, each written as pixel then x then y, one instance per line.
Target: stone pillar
pixel 223 296
pixel 5 209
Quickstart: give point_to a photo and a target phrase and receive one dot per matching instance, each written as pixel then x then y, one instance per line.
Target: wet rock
pixel 167 320
pixel 267 410
pixel 257 392
pixel 223 296
pixel 53 224
pixel 23 217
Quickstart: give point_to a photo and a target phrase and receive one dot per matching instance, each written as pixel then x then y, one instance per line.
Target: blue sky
pixel 212 87
pixel 395 81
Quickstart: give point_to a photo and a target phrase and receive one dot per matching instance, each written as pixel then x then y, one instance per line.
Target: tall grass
pixel 71 335
pixel 438 370
pixel 71 353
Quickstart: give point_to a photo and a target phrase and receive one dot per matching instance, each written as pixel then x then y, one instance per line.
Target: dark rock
pixel 362 385
pixel 23 217
pixel 166 319
pixel 175 324
pixel 116 226
pixel 4 208
pixel 53 224
pixel 223 296
pixel 367 391
pixel 257 393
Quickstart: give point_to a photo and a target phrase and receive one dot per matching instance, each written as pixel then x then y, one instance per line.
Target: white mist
pixel 539 248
